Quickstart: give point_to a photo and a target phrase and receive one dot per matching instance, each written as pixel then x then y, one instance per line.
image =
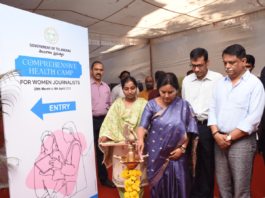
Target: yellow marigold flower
pixel 133 178
pixel 125 174
pixel 135 187
pixel 130 181
pixel 132 172
pixel 137 181
pixel 126 188
pixel 127 183
pixel 134 193
pixel 127 195
pixel 138 173
pixel 129 189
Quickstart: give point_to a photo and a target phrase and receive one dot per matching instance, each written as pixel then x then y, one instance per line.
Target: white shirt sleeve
pixel 183 89
pixel 220 77
pixel 256 106
pixel 212 114
pixel 114 94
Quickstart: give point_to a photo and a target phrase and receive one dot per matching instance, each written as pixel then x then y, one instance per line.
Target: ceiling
pixel 144 19
pixel 97 50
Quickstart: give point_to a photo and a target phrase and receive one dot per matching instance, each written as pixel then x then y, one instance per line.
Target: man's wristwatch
pixel 183 149
pixel 229 138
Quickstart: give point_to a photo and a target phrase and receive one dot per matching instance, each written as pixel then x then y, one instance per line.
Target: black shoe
pixel 108 183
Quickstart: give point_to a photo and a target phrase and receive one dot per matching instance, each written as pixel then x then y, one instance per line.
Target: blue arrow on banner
pixel 39 108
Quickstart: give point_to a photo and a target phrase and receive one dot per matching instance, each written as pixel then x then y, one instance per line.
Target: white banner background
pixel 24 130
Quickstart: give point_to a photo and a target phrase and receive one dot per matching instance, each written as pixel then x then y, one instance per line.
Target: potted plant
pixel 5 99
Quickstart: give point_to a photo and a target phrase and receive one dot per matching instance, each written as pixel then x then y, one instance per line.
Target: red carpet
pixel 257 186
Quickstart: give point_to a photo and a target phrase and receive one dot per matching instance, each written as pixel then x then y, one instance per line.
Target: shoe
pixel 108 183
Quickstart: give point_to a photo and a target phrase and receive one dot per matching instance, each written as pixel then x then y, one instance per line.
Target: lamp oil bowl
pixel 130 165
pixel 131 160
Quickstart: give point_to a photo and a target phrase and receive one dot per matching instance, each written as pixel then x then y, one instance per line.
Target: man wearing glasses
pixel 197 89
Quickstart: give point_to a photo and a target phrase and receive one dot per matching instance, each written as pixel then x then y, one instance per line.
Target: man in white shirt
pixel 250 64
pixel 117 91
pixel 197 89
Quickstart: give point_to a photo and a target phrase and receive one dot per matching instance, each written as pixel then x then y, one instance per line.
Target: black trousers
pixel 102 171
pixel 262 138
pixel 204 177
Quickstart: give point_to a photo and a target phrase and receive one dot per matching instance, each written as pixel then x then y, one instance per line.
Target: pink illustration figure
pixel 69 168
pixel 45 177
pixel 59 169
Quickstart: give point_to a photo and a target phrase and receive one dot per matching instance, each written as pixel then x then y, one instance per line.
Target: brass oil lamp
pixel 131 160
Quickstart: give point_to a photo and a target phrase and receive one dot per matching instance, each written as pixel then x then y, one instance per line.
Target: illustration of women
pixel 72 165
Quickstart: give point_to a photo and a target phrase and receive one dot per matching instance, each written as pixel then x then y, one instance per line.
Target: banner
pixel 48 121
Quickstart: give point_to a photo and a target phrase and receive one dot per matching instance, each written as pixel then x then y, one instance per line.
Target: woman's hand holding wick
pixel 140 146
pixel 140 136
pixel 174 155
pixel 102 139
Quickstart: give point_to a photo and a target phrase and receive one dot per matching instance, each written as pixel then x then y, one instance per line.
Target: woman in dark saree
pixel 171 125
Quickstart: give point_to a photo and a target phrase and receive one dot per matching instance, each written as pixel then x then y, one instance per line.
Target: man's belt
pixel 199 122
pixel 99 117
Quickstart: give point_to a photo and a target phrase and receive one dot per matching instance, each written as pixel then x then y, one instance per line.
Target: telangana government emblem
pixel 51 35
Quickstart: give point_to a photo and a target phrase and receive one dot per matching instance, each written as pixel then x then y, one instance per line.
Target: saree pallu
pixel 168 131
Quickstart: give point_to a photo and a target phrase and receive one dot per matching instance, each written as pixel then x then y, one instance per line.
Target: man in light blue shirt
pixel 236 108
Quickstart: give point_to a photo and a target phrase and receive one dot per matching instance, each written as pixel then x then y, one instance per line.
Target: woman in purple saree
pixel 171 125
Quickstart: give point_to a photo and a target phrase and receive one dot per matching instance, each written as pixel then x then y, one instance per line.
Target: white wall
pixel 173 56
pixel 134 59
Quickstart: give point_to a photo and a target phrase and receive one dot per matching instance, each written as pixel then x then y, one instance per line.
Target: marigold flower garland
pixel 131 182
